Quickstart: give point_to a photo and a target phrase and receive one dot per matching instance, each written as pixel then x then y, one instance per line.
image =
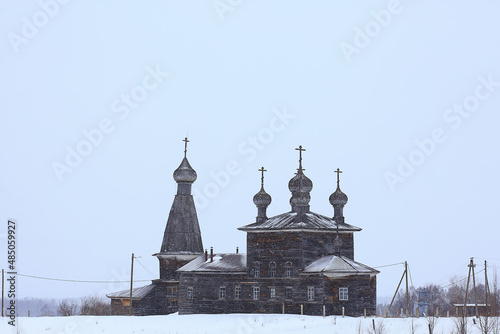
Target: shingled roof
pixel 338 265
pixel 182 232
pixel 310 221
pixel 137 293
pixel 225 262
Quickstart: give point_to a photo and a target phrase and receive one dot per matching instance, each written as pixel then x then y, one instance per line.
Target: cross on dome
pixel 300 149
pixel 262 177
pixel 186 141
pixel 338 171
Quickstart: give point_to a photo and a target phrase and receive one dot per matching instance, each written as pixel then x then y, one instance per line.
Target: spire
pixel 338 200
pixel 262 199
pixel 300 186
pixel 182 233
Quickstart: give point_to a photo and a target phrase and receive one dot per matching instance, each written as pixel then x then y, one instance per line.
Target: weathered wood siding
pixel 362 294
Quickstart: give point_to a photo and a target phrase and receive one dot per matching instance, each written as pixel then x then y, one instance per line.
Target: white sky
pixel 229 74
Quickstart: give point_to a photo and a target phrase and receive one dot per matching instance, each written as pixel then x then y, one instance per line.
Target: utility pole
pixel 486 288
pixel 474 284
pixel 407 293
pixel 131 283
pixel 397 290
pixel 467 287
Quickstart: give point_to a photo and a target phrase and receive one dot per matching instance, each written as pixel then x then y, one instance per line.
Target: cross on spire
pixel 186 141
pixel 262 177
pixel 300 149
pixel 338 171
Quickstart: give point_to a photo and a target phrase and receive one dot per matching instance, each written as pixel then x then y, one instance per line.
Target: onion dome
pixel 300 186
pixel 300 183
pixel 262 198
pixel 338 198
pixel 185 173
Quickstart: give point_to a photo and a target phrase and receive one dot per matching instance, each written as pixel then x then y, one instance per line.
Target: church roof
pixel 137 293
pixel 338 265
pixel 182 233
pixel 224 262
pixel 311 221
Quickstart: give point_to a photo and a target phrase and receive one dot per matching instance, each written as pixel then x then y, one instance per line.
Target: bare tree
pixel 414 326
pixel 67 307
pixel 94 305
pixel 461 324
pixel 431 323
pixel 378 328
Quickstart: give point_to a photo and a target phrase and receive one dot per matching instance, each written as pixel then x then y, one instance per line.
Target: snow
pixel 334 265
pixel 221 324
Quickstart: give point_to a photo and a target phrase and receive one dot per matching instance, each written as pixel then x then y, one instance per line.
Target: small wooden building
pixel 296 262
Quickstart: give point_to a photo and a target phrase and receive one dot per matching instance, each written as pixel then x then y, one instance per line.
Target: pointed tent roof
pixel 338 265
pixel 182 232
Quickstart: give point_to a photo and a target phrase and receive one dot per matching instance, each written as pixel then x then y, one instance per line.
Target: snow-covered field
pixel 221 324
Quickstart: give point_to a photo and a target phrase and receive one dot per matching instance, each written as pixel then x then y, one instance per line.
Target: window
pixel 343 294
pixel 171 291
pixel 237 292
pixel 310 293
pixel 256 293
pixel 256 269
pixel 289 293
pixel 272 269
pixel 272 292
pixel 288 269
pixel 189 293
pixel 222 292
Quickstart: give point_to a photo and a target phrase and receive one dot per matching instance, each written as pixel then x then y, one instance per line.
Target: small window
pixel 343 294
pixel 288 269
pixel 310 293
pixel 222 292
pixel 272 269
pixel 272 292
pixel 289 293
pixel 189 293
pixel 237 292
pixel 172 291
pixel 256 270
pixel 256 293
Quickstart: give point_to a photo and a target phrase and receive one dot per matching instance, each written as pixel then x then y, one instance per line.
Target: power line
pixel 147 270
pixel 390 265
pixel 460 280
pixel 77 281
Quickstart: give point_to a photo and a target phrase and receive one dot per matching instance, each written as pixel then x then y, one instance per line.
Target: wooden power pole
pixel 405 273
pixel 407 292
pixel 470 265
pixel 131 283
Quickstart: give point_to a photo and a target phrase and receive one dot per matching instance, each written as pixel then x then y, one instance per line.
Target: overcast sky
pixel 402 96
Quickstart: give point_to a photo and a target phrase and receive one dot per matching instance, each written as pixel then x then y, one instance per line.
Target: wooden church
pixel 296 262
